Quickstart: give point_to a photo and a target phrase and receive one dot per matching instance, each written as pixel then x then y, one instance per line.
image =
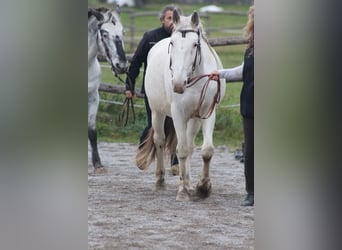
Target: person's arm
pixel 231 74
pixel 136 63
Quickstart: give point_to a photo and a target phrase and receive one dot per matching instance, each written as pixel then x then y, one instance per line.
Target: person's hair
pixel 249 28
pixel 168 8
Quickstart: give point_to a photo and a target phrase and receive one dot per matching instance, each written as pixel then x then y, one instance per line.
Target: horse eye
pixel 195 45
pixel 104 34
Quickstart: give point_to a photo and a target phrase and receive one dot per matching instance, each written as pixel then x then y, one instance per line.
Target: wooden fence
pixel 132 39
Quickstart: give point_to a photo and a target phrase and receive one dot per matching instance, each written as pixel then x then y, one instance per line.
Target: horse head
pixel 110 38
pixel 184 49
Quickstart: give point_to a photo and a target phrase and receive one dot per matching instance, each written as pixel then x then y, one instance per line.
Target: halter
pixel 198 50
pixel 117 41
pixel 192 81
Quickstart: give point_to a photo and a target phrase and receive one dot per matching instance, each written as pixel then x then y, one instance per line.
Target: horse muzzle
pixel 120 68
pixel 179 87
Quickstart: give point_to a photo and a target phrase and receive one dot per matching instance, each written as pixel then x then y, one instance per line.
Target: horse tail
pixel 146 152
pixel 147 149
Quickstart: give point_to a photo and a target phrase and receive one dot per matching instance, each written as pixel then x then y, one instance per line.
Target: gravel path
pixel 125 213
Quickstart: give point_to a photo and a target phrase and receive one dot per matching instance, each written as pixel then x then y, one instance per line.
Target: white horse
pixel 177 86
pixel 105 37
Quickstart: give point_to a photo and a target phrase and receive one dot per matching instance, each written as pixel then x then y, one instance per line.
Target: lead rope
pixel 126 105
pixel 216 99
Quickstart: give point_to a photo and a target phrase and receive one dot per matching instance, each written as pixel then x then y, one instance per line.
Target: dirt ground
pixel 124 211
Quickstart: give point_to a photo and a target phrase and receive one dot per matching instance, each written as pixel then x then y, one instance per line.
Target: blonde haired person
pixel 245 72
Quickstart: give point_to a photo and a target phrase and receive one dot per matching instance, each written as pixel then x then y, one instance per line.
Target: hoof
pixel 183 195
pixel 160 185
pixel 249 200
pixel 174 170
pixel 100 170
pixel 203 190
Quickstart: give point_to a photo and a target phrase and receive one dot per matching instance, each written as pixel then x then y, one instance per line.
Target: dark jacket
pixel 247 92
pixel 149 39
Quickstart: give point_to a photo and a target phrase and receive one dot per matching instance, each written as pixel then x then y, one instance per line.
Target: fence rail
pixel 117 89
pixel 133 30
pixel 224 41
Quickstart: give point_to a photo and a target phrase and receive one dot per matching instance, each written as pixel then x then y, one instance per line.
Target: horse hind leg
pixel 159 142
pixel 170 144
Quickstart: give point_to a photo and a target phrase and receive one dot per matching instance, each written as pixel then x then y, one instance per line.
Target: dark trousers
pixel 248 130
pixel 174 159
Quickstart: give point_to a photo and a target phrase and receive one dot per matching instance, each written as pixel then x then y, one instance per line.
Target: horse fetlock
pixel 160 181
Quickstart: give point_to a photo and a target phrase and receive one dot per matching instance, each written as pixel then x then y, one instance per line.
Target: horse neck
pixel 93 47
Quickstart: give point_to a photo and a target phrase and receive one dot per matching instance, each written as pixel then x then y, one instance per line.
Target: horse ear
pixel 195 18
pixel 175 16
pixel 118 9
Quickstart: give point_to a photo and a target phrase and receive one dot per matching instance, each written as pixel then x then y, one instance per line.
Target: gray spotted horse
pixel 105 37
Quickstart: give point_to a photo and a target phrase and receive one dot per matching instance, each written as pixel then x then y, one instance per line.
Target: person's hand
pixel 214 75
pixel 129 94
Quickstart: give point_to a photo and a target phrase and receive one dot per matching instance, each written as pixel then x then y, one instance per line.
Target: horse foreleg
pixel 184 187
pixel 191 132
pixel 203 188
pixel 93 103
pixel 159 142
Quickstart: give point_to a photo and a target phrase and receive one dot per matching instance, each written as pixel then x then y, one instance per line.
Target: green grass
pixel 228 128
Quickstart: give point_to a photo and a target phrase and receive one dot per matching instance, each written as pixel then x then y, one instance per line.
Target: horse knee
pixel 207 153
pixel 182 153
